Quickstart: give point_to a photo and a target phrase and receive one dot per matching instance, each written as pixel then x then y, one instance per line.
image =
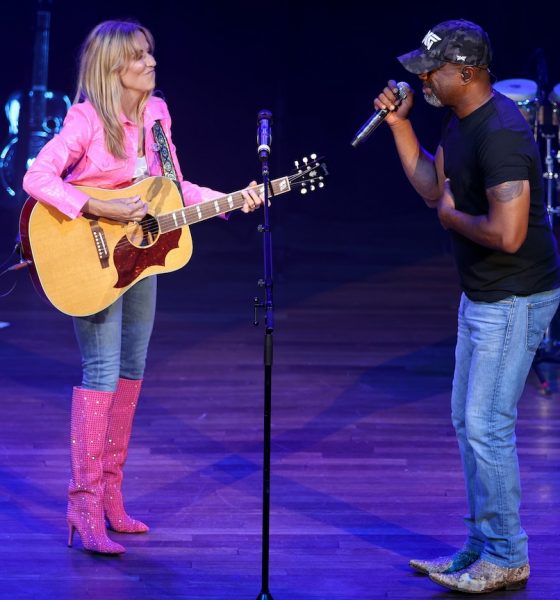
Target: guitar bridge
pixel 100 242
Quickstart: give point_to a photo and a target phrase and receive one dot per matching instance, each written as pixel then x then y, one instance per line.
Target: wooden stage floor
pixel 366 472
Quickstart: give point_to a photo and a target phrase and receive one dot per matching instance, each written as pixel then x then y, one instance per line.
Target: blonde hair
pixel 107 50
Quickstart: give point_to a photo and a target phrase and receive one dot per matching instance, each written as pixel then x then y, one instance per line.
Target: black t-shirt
pixel 492 145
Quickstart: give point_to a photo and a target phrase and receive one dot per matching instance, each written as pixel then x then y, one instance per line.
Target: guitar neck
pixel 211 208
pixel 41 49
pixel 40 68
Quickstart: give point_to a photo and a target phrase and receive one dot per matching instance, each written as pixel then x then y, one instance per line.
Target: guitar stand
pixel 15 267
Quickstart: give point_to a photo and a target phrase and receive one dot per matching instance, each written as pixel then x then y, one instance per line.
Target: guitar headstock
pixel 309 174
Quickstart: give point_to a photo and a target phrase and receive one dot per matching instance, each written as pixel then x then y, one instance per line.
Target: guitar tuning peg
pixel 313 157
pixel 312 187
pixel 321 184
pixel 305 160
pixel 303 190
pixel 296 163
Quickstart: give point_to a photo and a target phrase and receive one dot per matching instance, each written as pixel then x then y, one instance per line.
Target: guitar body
pixel 83 265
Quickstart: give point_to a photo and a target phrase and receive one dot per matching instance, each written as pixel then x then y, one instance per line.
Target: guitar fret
pixel 211 208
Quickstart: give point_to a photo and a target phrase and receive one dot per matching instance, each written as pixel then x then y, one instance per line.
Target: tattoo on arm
pixel 505 192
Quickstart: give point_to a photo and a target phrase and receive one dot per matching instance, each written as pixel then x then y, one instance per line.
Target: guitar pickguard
pixel 131 261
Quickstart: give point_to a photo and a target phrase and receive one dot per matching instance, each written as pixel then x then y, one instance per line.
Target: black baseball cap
pixel 458 41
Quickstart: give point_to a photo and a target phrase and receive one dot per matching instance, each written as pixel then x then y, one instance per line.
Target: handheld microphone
pixel 378 117
pixel 264 134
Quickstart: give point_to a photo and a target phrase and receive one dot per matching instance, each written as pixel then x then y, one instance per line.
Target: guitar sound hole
pixel 143 234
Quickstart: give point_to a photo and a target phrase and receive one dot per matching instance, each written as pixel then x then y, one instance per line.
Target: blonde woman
pixel 107 142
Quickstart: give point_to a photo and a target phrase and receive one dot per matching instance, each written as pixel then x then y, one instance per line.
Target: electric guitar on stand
pixel 34 117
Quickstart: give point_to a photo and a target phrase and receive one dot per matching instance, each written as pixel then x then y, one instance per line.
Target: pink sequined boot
pixel 121 416
pixel 88 429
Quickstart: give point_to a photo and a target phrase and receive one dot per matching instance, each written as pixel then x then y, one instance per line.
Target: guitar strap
pixel 164 152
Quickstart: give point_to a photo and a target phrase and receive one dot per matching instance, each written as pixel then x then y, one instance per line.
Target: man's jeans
pixel 496 344
pixel 114 342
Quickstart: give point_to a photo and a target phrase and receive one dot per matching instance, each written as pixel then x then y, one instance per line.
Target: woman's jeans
pixel 114 342
pixel 496 344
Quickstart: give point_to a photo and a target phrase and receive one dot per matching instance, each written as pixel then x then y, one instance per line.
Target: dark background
pixel 317 66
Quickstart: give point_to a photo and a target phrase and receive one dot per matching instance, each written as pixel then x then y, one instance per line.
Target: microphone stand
pixel 267 304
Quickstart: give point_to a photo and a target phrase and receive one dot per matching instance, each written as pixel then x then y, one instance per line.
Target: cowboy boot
pixel 445 564
pixel 88 427
pixel 483 577
pixel 121 416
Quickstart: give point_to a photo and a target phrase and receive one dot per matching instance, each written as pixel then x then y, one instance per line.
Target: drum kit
pixel 544 120
pixel 525 93
pixel 542 113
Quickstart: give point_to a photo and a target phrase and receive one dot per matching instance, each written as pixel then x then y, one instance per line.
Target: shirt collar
pixel 153 111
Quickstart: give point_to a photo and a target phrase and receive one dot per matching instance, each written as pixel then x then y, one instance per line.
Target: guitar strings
pixel 152 225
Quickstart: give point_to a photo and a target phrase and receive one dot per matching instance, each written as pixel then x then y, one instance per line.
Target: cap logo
pixel 430 39
pixel 460 58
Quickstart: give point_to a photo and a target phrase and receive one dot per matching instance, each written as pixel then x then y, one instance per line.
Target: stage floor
pixel 365 468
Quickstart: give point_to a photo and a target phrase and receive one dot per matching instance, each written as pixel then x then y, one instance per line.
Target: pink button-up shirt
pixel 78 156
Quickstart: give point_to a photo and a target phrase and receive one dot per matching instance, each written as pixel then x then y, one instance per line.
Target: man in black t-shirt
pixel 485 182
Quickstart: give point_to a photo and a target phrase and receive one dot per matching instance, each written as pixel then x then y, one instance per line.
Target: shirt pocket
pixel 103 162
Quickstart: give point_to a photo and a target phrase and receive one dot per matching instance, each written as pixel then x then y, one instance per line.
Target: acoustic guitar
pixel 83 265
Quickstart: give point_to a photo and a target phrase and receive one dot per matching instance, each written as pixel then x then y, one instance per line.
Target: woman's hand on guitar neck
pixel 252 198
pixel 118 209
